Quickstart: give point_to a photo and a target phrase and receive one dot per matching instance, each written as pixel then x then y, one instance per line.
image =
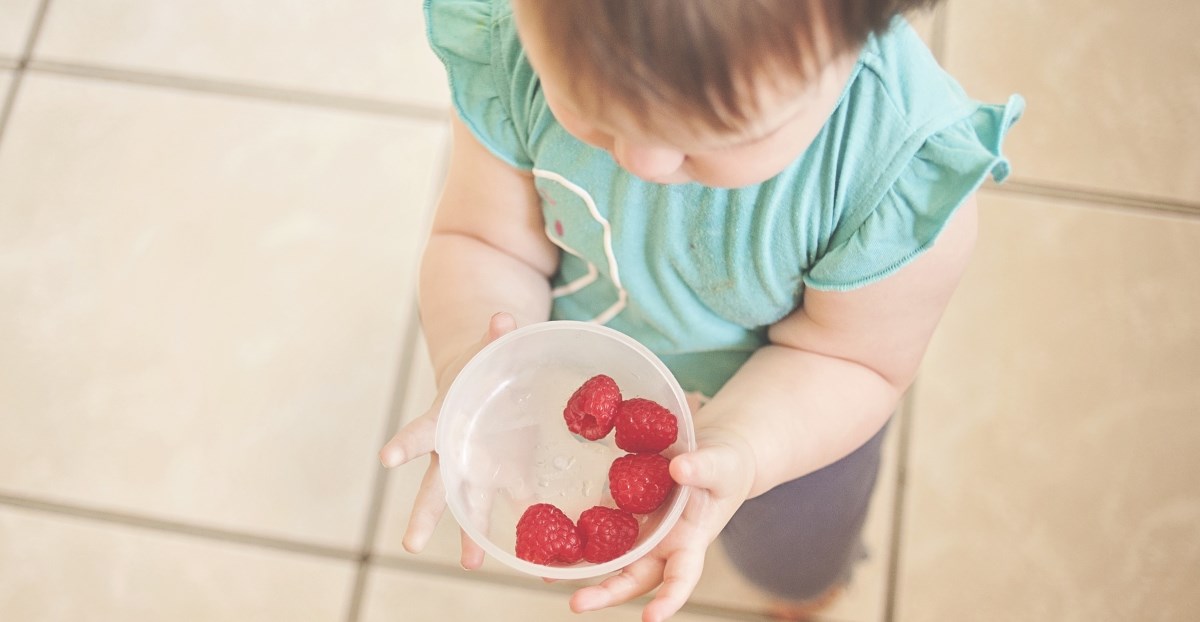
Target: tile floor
pixel 209 219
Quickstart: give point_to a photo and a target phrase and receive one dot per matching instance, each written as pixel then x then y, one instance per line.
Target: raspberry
pixel 546 536
pixel 644 426
pixel 592 408
pixel 607 533
pixel 639 483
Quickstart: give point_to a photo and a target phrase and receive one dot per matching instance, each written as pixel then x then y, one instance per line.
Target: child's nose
pixel 649 163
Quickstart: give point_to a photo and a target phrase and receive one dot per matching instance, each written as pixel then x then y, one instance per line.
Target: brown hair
pixel 698 58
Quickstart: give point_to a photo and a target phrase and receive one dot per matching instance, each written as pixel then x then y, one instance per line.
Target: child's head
pixel 723 92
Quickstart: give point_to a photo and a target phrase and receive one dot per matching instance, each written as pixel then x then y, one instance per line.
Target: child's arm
pixel 837 367
pixel 487 253
pixel 832 375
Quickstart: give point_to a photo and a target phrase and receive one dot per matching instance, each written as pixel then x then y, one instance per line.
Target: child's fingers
pixel 416 438
pixel 412 441
pixel 427 509
pixel 718 468
pixel 680 576
pixel 636 579
pixel 472 553
pixel 479 511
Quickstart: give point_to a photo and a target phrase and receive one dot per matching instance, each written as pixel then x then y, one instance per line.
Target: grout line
pixel 379 487
pixel 409 349
pixel 1160 205
pixel 175 527
pixel 35 31
pixel 201 85
pixel 939 43
pixel 905 439
pixel 422 566
pixel 19 64
pixel 8 100
pixel 457 574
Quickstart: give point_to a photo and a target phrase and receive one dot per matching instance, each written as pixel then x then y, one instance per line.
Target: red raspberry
pixel 546 536
pixel 644 426
pixel 639 483
pixel 591 409
pixel 607 533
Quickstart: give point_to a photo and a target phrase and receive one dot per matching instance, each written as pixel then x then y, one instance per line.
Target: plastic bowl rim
pixel 569 572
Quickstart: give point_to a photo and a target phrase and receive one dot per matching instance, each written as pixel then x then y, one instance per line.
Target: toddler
pixel 776 197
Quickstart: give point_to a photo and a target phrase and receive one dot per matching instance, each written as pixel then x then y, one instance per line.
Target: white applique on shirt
pixel 555 232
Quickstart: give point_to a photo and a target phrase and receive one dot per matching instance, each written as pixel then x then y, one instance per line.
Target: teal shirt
pixel 695 273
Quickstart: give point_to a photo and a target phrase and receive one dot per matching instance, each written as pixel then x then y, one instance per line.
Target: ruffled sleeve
pixel 476 43
pixel 918 200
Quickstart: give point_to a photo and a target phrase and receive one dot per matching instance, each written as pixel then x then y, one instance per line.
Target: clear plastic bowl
pixel 503 443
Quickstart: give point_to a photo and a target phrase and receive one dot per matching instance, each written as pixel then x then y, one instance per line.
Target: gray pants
pixel 803 536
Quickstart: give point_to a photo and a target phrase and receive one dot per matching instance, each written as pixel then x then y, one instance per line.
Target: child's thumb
pixel 499 324
pixel 715 467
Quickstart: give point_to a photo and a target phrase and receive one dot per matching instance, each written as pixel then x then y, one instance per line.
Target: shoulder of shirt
pixel 897 65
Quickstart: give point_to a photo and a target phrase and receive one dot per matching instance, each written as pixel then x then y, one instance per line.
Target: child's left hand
pixel 721 472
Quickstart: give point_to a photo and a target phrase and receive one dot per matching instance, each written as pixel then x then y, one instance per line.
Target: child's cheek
pixel 596 139
pixel 582 131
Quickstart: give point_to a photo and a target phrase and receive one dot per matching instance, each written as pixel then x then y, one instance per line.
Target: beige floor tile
pixel 204 302
pixel 6 77
pixel 1053 459
pixel 59 568
pixel 866 597
pixel 16 20
pixel 1112 88
pixel 362 48
pixel 394 595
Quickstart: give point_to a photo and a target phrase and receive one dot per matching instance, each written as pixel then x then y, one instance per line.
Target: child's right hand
pixel 416 439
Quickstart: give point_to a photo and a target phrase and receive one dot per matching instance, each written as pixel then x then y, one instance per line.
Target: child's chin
pixel 672 179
